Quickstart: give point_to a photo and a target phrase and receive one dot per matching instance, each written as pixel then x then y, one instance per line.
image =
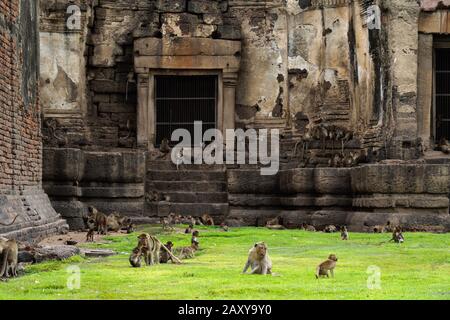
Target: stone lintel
pixel 186 47
pixel 435 22
pixel 226 63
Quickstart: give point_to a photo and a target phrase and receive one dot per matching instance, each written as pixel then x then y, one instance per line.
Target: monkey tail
pixel 10 224
pixel 169 252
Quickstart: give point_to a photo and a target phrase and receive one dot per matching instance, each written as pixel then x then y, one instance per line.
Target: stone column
pixel 142 110
pixel 229 100
pixel 403 43
pixel 425 87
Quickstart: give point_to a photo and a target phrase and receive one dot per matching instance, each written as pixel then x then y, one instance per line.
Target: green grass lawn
pixel 416 269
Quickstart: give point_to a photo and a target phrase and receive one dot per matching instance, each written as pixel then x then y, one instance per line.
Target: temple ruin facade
pixel 358 89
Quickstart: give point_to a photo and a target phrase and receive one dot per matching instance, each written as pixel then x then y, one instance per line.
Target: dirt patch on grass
pixel 78 237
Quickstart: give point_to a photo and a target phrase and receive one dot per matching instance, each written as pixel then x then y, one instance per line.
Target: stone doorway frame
pixel 431 24
pixel 184 56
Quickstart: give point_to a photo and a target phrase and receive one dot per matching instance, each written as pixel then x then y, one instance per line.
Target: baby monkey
pixel 194 238
pixel 164 256
pixel 327 267
pixel 344 233
pixel 135 257
pixel 189 229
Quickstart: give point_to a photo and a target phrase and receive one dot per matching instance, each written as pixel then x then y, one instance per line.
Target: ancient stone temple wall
pixel 297 66
pixel 22 199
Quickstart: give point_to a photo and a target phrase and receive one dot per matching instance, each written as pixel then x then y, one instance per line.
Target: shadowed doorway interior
pixel 181 100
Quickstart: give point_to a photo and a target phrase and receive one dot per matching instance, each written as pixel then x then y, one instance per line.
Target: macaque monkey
pixel 397 235
pixel 327 267
pixel 135 257
pixel 347 137
pixel 130 228
pixel 258 260
pixel 167 223
pixel 90 235
pixel 344 233
pixel 336 161
pixel 9 252
pixel 224 227
pixel 383 229
pixel 189 229
pixel 164 256
pixel 188 220
pixel 164 148
pixel 444 146
pixel 324 133
pixel 91 224
pixel 150 247
pixel 274 221
pixel 178 219
pixel 194 239
pixel 349 160
pixel 189 252
pixel 198 222
pixel 379 229
pixel 275 224
pixel 207 220
pixel 330 229
pixel 113 223
pixel 308 227
pixel 100 220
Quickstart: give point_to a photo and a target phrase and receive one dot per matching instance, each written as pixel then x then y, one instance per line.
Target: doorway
pixel 442 90
pixel 181 100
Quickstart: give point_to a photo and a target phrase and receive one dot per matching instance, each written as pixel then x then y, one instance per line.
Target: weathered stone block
pixel 180 25
pixel 203 6
pixel 299 180
pixel 212 18
pixel 62 164
pixel 332 181
pixel 171 5
pixel 400 179
pixel 229 32
pixel 204 30
pixel 185 46
pixel 125 167
pixel 251 181
pixel 104 55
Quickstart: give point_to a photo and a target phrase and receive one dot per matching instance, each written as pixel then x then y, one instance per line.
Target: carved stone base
pixel 36 217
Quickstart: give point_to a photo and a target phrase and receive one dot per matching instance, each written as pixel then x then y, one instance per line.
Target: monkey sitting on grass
pixel 164 256
pixel 397 235
pixel 327 267
pixel 258 260
pixel 344 233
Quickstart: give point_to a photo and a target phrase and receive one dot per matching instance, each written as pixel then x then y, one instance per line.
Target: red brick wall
pixel 20 136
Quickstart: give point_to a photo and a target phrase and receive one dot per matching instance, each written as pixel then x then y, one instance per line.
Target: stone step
pixel 198 197
pixel 193 209
pixel 270 123
pixel 188 186
pixel 168 165
pixel 191 175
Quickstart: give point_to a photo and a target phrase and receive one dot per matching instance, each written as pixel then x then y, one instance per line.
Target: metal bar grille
pixel 442 93
pixel 181 100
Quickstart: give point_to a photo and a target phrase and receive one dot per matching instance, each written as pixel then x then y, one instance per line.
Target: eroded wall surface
pixel 22 200
pixel 302 62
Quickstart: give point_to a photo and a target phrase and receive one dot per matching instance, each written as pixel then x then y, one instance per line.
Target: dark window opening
pixel 442 93
pixel 181 100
